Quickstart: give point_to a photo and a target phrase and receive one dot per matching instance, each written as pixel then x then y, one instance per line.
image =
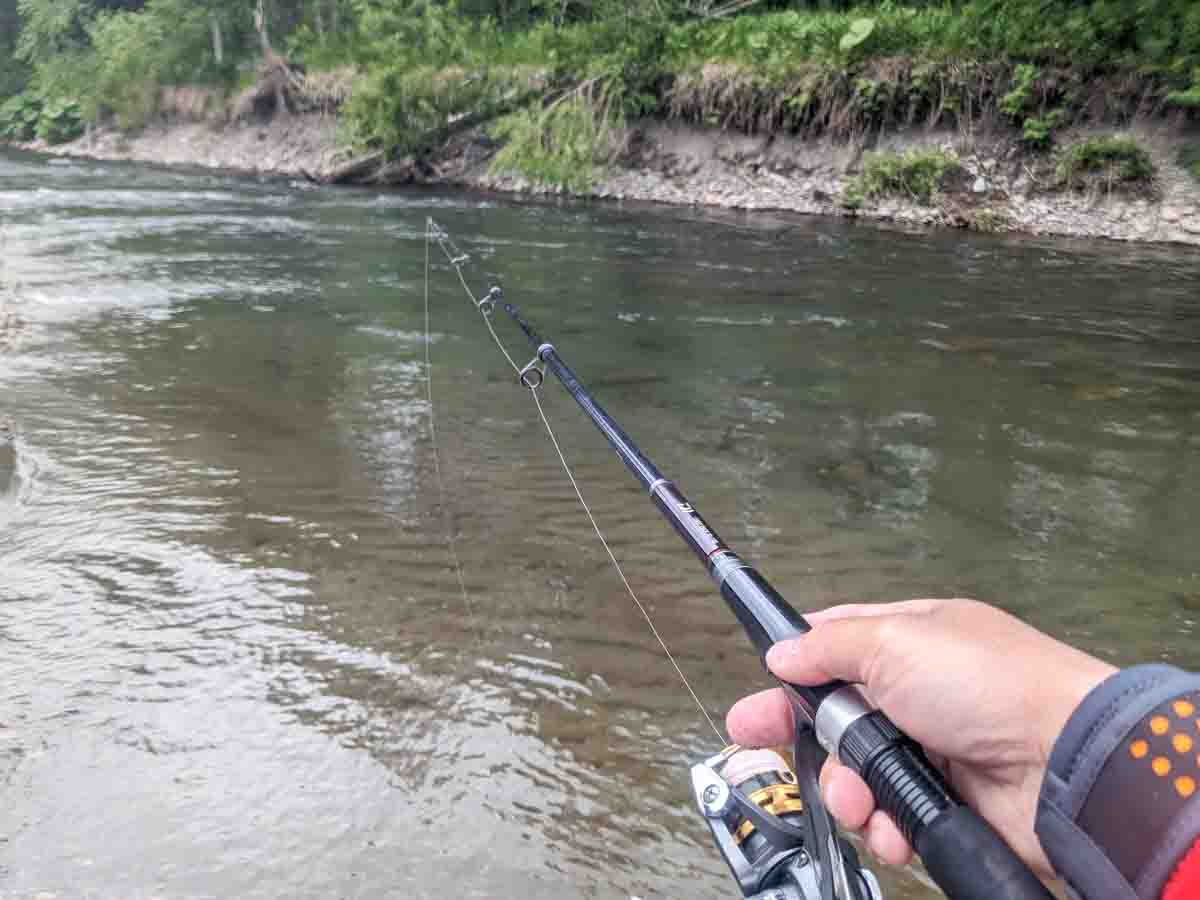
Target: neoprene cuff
pixel 1120 804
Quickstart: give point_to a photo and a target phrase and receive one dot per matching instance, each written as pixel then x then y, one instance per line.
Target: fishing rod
pixel 964 856
pixel 962 853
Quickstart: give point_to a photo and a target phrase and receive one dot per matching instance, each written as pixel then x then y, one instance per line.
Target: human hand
pixel 984 693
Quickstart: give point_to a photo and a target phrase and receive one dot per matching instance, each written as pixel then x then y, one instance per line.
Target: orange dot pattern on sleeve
pixel 1174 732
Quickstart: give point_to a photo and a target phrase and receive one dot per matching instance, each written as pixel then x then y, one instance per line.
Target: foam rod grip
pixel 963 854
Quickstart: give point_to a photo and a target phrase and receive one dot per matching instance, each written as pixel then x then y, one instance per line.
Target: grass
pixel 917 175
pixel 1118 162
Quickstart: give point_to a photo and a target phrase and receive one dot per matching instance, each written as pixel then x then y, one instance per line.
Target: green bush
pixel 1189 98
pixel 138 53
pixel 916 174
pixel 566 145
pixel 1189 158
pixel 19 117
pixel 401 109
pixel 60 122
pixel 1038 131
pixel 1119 161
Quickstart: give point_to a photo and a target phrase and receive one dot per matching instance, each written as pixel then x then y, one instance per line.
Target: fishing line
pixel 457 258
pixel 437 464
pixel 645 615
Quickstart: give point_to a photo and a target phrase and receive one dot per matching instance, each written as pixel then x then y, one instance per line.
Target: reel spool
pixel 765 777
pixel 773 831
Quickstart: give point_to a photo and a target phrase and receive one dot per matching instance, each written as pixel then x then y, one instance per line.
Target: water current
pixel 234 657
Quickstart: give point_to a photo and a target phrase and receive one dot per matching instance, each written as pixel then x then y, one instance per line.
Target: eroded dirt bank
pixel 1000 187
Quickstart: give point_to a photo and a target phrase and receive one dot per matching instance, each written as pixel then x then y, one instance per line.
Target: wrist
pixel 1067 690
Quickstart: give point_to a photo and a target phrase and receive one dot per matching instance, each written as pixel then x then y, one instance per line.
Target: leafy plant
pixel 137 54
pixel 915 174
pixel 566 145
pixel 1015 103
pixel 1189 158
pixel 1120 161
pixel 856 34
pixel 1190 97
pixel 19 117
pixel 1038 131
pixel 60 122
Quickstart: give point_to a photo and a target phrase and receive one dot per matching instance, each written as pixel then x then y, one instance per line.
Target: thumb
pixel 842 649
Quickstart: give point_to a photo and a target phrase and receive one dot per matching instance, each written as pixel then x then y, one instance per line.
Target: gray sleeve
pixel 1120 804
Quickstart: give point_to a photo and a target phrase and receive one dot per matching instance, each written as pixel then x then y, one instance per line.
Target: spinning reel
pixel 773 830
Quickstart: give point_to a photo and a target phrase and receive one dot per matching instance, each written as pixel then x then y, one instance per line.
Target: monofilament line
pixel 533 391
pixel 457 258
pixel 437 464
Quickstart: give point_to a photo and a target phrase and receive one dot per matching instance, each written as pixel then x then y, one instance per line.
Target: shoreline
pixel 999 188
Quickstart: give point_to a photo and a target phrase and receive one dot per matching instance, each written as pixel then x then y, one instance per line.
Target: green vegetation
pixel 917 175
pixel 19 117
pixel 559 79
pixel 1189 158
pixel 1118 162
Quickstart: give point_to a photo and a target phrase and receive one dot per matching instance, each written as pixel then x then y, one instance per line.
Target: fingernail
pixel 779 653
pixel 775 656
pixel 829 793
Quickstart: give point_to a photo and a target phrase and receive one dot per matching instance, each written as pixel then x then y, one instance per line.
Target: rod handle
pixel 963 854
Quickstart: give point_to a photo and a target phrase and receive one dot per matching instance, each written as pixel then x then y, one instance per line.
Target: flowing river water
pixel 235 660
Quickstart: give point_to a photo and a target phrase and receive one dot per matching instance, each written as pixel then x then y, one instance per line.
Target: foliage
pixel 565 145
pixel 833 66
pixel 1190 97
pixel 19 117
pixel 915 174
pixel 856 35
pixel 60 122
pixel 50 27
pixel 398 109
pixel 1020 99
pixel 1189 158
pixel 138 53
pixel 1119 161
pixel 14 73
pixel 1038 131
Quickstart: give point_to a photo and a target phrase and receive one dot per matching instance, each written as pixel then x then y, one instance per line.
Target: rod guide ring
pixel 488 303
pixel 533 374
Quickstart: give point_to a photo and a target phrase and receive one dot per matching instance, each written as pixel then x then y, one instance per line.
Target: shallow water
pixel 235 660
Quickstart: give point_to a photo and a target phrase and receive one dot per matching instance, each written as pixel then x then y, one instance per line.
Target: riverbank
pixel 998 185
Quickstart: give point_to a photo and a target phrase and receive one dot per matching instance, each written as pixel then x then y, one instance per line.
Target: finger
pixel 846 796
pixel 843 649
pixel 885 840
pixel 866 610
pixel 761 720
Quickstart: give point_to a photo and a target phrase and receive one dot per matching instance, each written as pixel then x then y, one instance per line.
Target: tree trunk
pixel 218 44
pixel 260 25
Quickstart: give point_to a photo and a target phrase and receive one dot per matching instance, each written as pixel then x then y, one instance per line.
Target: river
pixel 235 660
